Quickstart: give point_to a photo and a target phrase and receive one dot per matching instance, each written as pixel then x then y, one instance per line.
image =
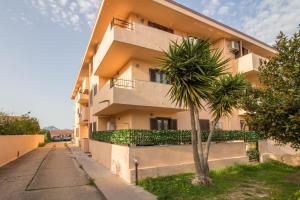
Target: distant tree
pixel 274 109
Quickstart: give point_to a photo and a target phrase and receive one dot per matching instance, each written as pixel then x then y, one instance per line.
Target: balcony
pixel 249 63
pixel 82 98
pixel 121 95
pixel 84 115
pixel 126 40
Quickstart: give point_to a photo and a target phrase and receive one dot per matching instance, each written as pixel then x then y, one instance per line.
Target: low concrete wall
pixel 12 146
pixel 269 149
pixel 162 160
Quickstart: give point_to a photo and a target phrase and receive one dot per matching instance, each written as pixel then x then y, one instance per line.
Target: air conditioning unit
pixel 234 46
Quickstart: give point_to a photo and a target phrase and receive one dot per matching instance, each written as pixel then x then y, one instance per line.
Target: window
pixel 157 76
pixel 245 51
pixel 91 97
pixel 163 124
pixel 219 126
pixel 160 27
pixel 242 124
pixel 204 124
pixel 90 129
pixel 95 89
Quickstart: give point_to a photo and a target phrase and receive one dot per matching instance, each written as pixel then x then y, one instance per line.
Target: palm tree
pixel 192 66
pixel 226 92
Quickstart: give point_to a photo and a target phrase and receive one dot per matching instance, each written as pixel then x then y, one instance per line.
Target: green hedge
pixel 161 137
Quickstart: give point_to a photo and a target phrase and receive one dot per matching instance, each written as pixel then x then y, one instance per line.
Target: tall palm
pixel 192 66
pixel 226 92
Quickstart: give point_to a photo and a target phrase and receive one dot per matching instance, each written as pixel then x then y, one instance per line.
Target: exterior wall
pixel 162 160
pixel 12 145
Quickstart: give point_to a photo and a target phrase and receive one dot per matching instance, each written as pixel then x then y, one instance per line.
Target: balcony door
pixel 163 124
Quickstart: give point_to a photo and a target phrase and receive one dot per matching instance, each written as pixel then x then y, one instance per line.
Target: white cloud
pixel 223 10
pixel 263 19
pixel 68 13
pixel 270 17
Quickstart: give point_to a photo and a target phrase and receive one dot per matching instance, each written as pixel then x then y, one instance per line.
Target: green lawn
pixel 271 180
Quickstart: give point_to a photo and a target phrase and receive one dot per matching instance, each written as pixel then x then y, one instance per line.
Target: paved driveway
pixel 49 173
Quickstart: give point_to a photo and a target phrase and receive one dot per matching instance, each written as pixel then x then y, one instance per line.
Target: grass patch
pixel 42 144
pixel 92 182
pixel 270 180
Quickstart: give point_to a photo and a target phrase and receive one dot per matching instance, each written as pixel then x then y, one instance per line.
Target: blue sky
pixel 42 43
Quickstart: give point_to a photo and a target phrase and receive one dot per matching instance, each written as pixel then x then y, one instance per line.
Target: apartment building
pixel 119 85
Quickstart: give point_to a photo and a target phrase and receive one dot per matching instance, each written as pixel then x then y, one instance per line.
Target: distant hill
pixel 51 128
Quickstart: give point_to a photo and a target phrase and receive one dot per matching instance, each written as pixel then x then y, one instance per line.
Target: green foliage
pixel 18 125
pixel 161 137
pixel 46 134
pixel 253 155
pixel 274 110
pixel 41 144
pixel 261 181
pixel 191 66
pixel 226 92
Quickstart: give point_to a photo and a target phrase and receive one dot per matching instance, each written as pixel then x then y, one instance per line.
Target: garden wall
pixel 13 146
pixel 162 160
pixel 285 153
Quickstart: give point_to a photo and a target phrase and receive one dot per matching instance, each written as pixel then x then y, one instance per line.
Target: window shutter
pixel 153 124
pixel 152 75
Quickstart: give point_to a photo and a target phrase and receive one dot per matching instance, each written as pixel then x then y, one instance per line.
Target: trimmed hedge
pixel 161 137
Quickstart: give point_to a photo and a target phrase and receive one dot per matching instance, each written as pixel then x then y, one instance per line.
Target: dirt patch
pixel 294 178
pixel 247 190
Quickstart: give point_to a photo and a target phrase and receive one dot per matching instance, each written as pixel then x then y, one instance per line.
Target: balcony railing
pixel 121 83
pixel 121 23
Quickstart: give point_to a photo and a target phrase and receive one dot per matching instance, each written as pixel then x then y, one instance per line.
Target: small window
pixel 91 97
pixel 245 51
pixel 243 124
pixel 158 76
pixel 204 124
pixel 94 126
pixel 160 27
pixel 90 129
pixel 95 89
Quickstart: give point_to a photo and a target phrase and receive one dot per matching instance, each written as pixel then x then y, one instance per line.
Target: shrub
pixel 18 125
pixel 253 155
pixel 161 137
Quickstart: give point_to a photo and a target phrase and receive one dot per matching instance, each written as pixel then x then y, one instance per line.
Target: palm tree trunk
pixel 198 170
pixel 207 179
pixel 200 145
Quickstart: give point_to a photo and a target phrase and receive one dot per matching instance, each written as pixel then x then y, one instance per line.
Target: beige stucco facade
pixel 114 89
pixel 14 146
